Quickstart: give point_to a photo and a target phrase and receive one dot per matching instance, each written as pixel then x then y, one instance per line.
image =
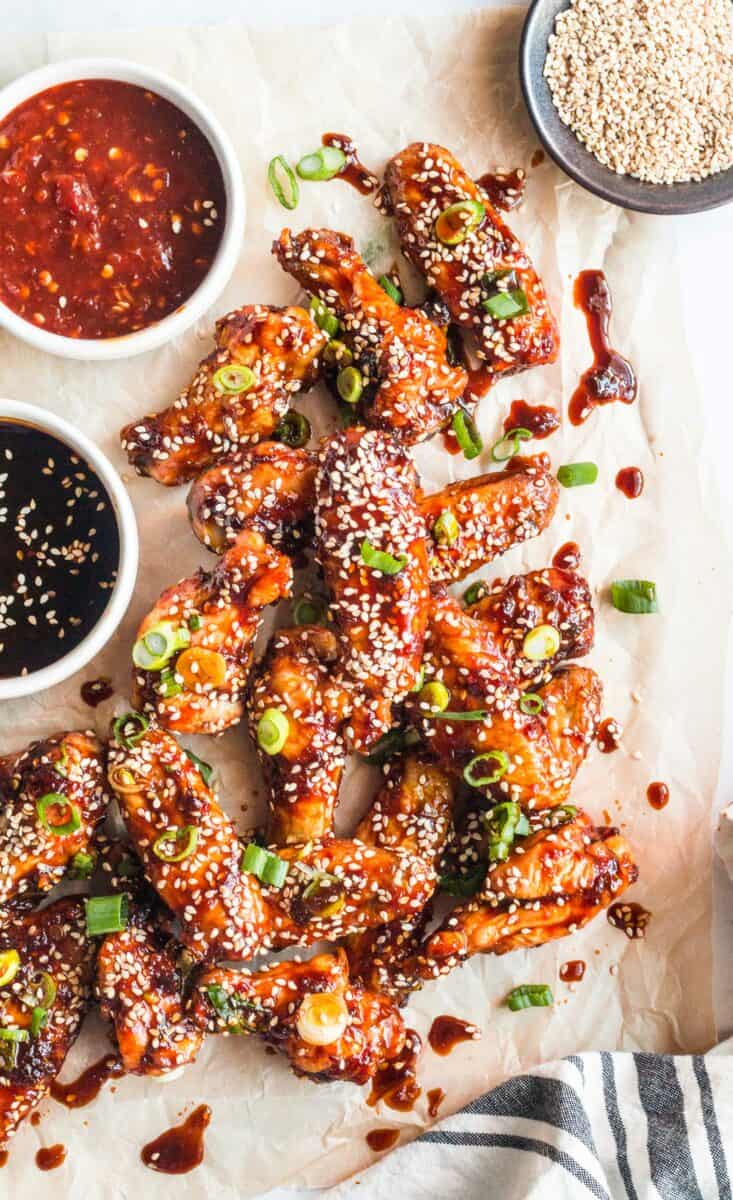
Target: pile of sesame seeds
pixel 647 85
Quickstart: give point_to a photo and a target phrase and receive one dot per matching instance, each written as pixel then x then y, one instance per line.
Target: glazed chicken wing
pixel 408 385
pixel 327 1026
pixel 372 548
pixel 470 257
pixel 54 971
pixel 295 678
pixel 263 356
pixel 52 797
pixel 204 628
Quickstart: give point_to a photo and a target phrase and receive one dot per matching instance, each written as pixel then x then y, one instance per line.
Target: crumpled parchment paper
pixel 387 82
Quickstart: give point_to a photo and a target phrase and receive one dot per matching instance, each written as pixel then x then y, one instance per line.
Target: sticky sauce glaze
pixel 658 795
pixel 89 1084
pixel 396 1083
pixel 567 558
pixel 505 189
pixel 48 1158
pixel 629 916
pixel 608 735
pixel 354 171
pixel 96 691
pixel 630 481
pixel 447 1032
pixel 573 971
pixel 181 1148
pixel 540 419
pixel 436 1096
pixel 380 1140
pixel 611 377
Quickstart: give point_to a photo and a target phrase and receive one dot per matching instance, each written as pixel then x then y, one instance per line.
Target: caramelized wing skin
pixel 53 941
pixel 409 385
pixel 269 488
pixel 268 1003
pixel 365 499
pixel 279 345
pixel 221 910
pixel 139 989
pixel 419 184
pixel 224 607
pixel 296 677
pixel 32 856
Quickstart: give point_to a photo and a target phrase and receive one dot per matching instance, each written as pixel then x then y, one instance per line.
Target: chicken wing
pixel 408 384
pixel 263 356
pixel 470 257
pixel 372 548
pixel 328 1027
pixel 55 964
pixel 52 797
pixel 205 627
pixel 296 678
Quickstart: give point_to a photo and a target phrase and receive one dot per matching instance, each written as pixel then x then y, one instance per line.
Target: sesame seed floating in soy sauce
pixel 59 549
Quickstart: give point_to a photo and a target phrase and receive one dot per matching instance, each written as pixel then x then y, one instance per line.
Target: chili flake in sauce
pixel 112 207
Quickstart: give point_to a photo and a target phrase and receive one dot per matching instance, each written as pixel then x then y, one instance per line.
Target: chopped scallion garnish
pixel 282 180
pixel 58 800
pixel 541 643
pixel 323 317
pixel 294 430
pixel 107 914
pixel 166 846
pixel 466 884
pixel 634 596
pixel 508 446
pixel 577 474
pixel 310 611
pixel 504 822
pixel 471 714
pixel 467 434
pixel 273 728
pixel 206 771
pixel 474 593
pixel 323 163
pixel 82 865
pixel 531 704
pixel 379 560
pixel 350 385
pixel 529 995
pixel 390 288
pixel 234 379
pixel 268 867
pixel 129 728
pixel 9 966
pixel 458 220
pixel 504 305
pixel 434 697
pixel 497 764
pixel 446 529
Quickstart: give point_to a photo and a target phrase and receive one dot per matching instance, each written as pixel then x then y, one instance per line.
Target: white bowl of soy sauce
pixel 68 549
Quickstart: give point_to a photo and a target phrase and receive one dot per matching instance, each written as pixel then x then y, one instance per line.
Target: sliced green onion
pixel 268 867
pixel 9 966
pixel 126 737
pixel 350 385
pixel 309 611
pixel 107 914
pixel 500 767
pixel 508 445
pixel 471 714
pixel 39 1019
pixel 566 813
pixel 323 163
pixel 234 379
pixel 61 766
pixel 379 560
pixel 82 865
pixel 446 529
pixel 529 995
pixel 503 305
pixel 51 800
pixel 273 728
pixel 467 435
pixel 634 596
pixel 390 288
pixel 253 859
pixel 458 220
pixel 541 643
pixel 48 988
pixel 227 1007
pixel 168 686
pixel 323 317
pixel 463 884
pixel 531 704
pixel 155 648
pixel 395 741
pixel 206 771
pixel 474 593
pixel 194 622
pixel 434 696
pixel 10 1039
pixel 294 429
pixel 337 354
pixel 282 180
pixel 491 278
pixel 419 682
pixel 187 836
pixel 577 474
pixel 504 822
pixel 320 879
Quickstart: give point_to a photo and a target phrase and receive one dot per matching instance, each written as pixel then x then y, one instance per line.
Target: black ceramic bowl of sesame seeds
pixel 635 104
pixel 68 549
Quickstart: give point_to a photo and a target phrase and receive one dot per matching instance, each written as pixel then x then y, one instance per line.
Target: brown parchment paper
pixel 387 82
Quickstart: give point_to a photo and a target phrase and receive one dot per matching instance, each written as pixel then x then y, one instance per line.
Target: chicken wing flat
pixel 327 1026
pixel 370 542
pixel 204 628
pixel 408 385
pixel 55 966
pixel 240 392
pixel 470 257
pixel 269 488
pixel 52 797
pixel 295 678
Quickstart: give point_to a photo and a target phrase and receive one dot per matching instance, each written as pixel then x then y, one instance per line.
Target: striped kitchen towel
pixel 612 1126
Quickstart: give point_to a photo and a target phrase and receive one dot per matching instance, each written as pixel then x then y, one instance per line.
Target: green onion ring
pixel 497 756
pixel 531 704
pixel 508 445
pixel 324 163
pixel 294 430
pixel 233 379
pixel 50 800
pixel 188 834
pixel 127 740
pixel 280 166
pixel 379 560
pixel 390 288
pixel 578 474
pixel 467 435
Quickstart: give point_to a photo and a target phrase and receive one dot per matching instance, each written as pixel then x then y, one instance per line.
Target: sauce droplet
pixel 572 972
pixel 380 1140
pixel 567 558
pixel 540 419
pixel 436 1096
pixel 633 918
pixel 87 1087
pixel 50 1157
pixel 181 1148
pixel 505 189
pixel 395 1083
pixel 658 795
pixel 95 691
pixel 354 171
pixel 611 377
pixel 450 442
pixel 537 158
pixel 528 462
pixel 447 1032
pixel 608 735
pixel 630 481
pixel 3 1157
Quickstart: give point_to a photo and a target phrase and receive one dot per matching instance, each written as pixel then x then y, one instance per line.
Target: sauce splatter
pixel 35 1118
pixel 380 1140
pixel 48 1158
pixel 354 171
pixel 436 1096
pixel 630 481
pixel 505 189
pixel 396 1083
pixel 567 558
pixel 96 691
pixel 181 1148
pixel 573 971
pixel 4 1156
pixel 87 1087
pixel 611 377
pixel 658 795
pixel 608 735
pixel 447 1032
pixel 528 462
pixel 540 419
pixel 633 918
pixel 537 158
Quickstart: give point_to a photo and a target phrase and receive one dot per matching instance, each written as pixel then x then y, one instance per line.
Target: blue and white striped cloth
pixel 611 1126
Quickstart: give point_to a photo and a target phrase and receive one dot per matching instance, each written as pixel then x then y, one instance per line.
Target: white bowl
pixel 105 349
pixel 122 591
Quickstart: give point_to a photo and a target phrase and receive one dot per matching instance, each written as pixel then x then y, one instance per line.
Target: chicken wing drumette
pixel 327 1026
pixel 52 797
pixel 372 548
pixel 50 962
pixel 450 231
pixel 407 383
pixel 194 649
pixel 239 394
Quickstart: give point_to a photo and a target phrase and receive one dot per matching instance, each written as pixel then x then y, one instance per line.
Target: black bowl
pixel 570 153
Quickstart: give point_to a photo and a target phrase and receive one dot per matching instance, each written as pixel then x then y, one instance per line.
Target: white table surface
pixel 705 240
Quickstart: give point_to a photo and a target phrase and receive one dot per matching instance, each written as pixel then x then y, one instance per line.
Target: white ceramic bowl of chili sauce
pixel 132 188
pixel 68 549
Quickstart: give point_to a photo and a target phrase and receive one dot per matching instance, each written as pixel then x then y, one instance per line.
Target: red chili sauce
pixel 540 419
pixel 112 207
pixel 181 1148
pixel 611 377
pixel 630 481
pixel 567 558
